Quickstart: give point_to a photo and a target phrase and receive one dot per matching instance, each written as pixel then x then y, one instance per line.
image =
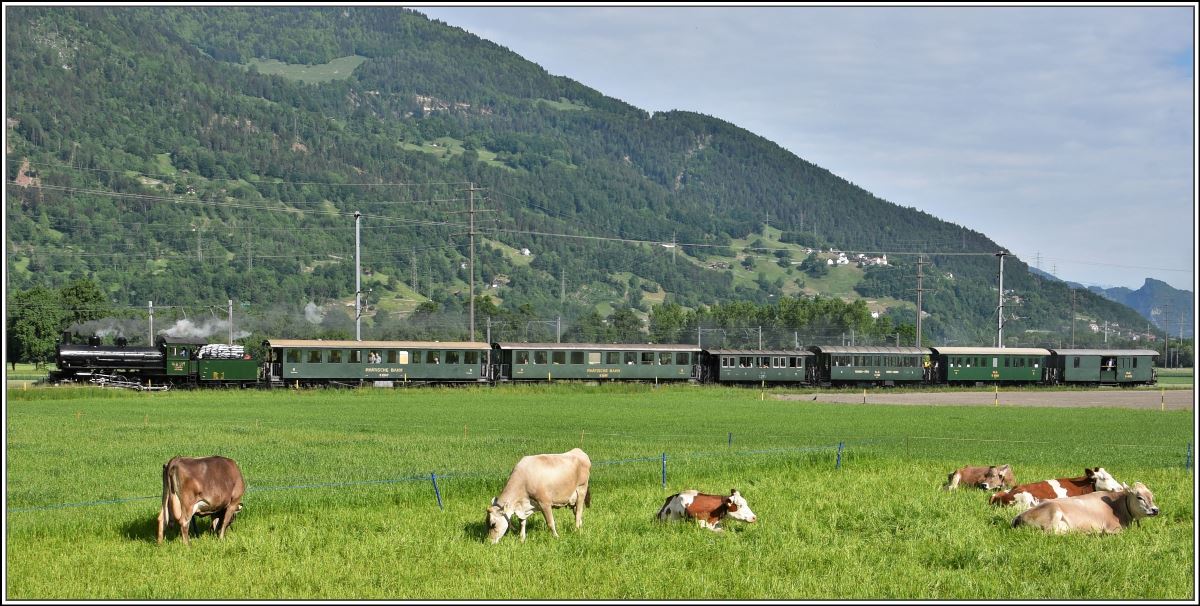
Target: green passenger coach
pixel 759 365
pixel 1105 366
pixel 596 362
pixel 991 364
pixel 383 363
pixel 842 365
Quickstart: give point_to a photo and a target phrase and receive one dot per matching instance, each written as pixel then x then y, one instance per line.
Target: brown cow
pixel 708 509
pixel 545 481
pixel 200 486
pixel 988 478
pixel 1104 511
pixel 1030 495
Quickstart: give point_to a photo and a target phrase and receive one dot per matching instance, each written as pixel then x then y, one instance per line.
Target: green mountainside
pixel 188 156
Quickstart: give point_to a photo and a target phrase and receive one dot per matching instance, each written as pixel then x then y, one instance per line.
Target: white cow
pixel 1106 511
pixel 544 481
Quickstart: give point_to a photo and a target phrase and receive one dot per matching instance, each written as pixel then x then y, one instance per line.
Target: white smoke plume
pixel 210 327
pixel 313 314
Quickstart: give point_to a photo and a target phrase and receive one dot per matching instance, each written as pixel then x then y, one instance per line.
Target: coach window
pixel 356 356
pixel 314 356
pixel 577 357
pixel 593 357
pixel 335 356
pixel 1076 361
pixel 630 357
pixel 664 358
pixel 1135 362
pixel 471 357
pixel 647 357
pixel 558 357
pixel 522 357
pixel 293 355
pixel 397 357
pixel 540 357
pixel 452 357
pixel 683 359
pixel 433 357
pixel 612 357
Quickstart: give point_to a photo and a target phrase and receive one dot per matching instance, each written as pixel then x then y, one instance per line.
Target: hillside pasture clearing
pixel 341 503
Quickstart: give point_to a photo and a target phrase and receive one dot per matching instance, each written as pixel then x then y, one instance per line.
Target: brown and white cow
pixel 1030 495
pixel 992 477
pixel 1101 511
pixel 545 481
pixel 708 509
pixel 200 486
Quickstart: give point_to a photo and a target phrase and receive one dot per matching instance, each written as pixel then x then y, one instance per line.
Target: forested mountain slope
pixel 194 155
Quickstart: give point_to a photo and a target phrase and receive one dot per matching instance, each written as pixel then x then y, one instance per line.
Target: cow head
pixel 738 509
pixel 1139 501
pixel 497 522
pixel 997 477
pixel 1101 479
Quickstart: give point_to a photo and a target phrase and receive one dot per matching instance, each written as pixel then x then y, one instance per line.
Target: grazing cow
pixel 545 481
pixel 708 509
pixel 1102 511
pixel 988 478
pixel 200 486
pixel 1029 495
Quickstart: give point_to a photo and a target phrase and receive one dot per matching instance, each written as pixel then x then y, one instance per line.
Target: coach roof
pixel 991 351
pixel 1106 352
pixel 599 346
pixel 322 344
pixel 760 352
pixel 839 349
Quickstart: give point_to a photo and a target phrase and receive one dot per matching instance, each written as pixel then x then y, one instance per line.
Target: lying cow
pixel 1102 511
pixel 988 478
pixel 545 481
pixel 1030 495
pixel 200 486
pixel 708 509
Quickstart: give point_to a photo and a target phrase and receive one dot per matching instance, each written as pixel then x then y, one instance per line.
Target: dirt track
pixel 1177 399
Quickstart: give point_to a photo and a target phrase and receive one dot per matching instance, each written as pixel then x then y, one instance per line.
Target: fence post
pixel 436 493
pixel 664 470
pixel 841 445
pixel 730 440
pixel 997 394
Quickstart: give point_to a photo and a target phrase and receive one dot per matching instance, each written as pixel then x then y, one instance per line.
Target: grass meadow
pixel 341 505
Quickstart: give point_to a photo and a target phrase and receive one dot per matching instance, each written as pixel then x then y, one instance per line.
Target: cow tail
pixel 166 493
pixel 587 496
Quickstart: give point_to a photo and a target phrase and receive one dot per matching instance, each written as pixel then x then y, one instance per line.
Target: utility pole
pixel 231 321
pixel 471 189
pixel 357 278
pixel 760 337
pixel 151 303
pixel 413 281
pixel 1000 307
pixel 1072 318
pixel 920 276
pixel 1106 332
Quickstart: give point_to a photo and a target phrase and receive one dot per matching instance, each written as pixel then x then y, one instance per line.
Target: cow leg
pixel 522 530
pixel 579 513
pixel 548 512
pixel 185 520
pixel 227 516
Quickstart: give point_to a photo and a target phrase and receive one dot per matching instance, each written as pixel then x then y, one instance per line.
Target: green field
pixel 1175 377
pixel 341 504
pixel 338 69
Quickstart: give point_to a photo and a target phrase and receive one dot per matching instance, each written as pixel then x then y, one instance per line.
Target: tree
pixel 82 300
pixel 626 325
pixel 35 318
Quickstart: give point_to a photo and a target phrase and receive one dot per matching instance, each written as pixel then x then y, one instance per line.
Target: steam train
pixel 184 362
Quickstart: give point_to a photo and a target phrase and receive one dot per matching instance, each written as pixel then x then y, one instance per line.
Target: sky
pixel 1065 134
